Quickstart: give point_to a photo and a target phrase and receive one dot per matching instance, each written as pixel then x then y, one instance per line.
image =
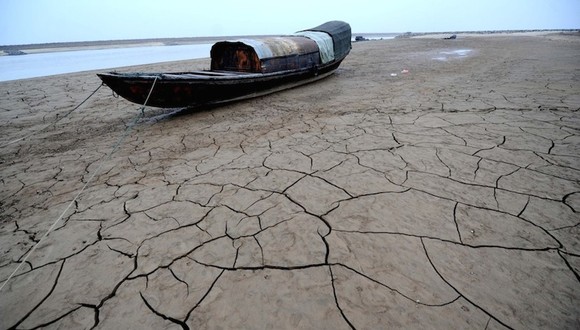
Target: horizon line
pixel 201 38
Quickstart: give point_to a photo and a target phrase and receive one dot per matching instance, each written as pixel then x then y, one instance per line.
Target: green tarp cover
pixel 324 42
pixel 341 36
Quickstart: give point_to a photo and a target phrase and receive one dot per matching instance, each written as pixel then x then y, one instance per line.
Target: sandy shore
pixel 445 197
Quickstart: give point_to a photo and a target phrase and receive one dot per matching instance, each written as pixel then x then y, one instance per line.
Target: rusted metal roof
pixel 277 46
pixel 265 54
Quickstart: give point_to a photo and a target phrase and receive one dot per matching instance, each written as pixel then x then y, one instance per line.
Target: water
pixel 458 53
pixel 375 36
pixel 47 64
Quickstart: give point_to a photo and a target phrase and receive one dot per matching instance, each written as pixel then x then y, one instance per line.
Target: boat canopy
pixel 341 36
pixel 305 49
pixel 265 54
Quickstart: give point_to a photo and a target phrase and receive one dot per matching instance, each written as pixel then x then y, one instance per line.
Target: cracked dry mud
pixel 444 198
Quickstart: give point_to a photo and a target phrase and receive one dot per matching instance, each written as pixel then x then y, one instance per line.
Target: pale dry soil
pixel 446 197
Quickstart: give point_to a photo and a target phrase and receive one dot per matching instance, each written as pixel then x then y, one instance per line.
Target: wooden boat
pixel 242 69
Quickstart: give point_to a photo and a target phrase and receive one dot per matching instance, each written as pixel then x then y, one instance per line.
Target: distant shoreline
pixel 106 44
pixel 25 49
pixel 420 34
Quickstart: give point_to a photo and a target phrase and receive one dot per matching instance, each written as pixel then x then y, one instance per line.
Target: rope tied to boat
pixel 149 95
pixel 55 122
pixel 97 171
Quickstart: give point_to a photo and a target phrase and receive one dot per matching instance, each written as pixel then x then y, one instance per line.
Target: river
pixel 47 64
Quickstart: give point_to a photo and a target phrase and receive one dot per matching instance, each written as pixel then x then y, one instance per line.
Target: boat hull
pixel 205 88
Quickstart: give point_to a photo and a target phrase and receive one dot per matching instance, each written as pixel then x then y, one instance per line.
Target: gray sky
pixel 39 21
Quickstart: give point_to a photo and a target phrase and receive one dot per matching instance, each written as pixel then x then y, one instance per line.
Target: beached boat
pixel 242 69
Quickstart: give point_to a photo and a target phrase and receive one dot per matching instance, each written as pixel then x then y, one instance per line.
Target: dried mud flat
pixel 445 197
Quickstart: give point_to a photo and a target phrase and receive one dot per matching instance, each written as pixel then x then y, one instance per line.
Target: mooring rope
pixel 97 171
pixel 53 123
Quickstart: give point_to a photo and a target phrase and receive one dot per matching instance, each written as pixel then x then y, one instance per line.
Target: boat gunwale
pixel 210 75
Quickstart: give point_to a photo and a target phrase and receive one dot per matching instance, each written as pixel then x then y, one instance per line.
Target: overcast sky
pixel 40 21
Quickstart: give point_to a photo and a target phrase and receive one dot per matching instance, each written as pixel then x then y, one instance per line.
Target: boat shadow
pixel 173 113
